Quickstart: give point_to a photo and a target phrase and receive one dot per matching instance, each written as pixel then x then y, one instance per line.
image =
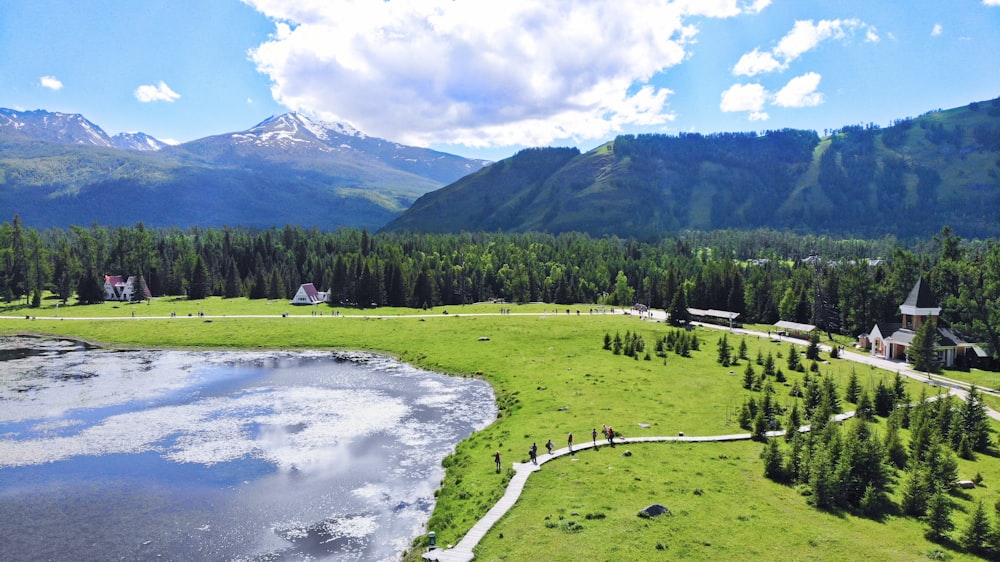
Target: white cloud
pixel 744 97
pixel 991 2
pixel 936 30
pixel 160 92
pixel 800 92
pixel 481 73
pixel 756 62
pixel 50 82
pixel 804 36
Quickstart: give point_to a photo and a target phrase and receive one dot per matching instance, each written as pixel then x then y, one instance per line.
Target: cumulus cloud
pixel 804 36
pixel 756 62
pixel 481 73
pixel 936 30
pixel 160 92
pixel 50 82
pixel 991 2
pixel 800 92
pixel 744 97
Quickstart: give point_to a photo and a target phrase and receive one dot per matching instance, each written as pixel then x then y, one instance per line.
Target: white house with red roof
pixel 307 294
pixel 117 288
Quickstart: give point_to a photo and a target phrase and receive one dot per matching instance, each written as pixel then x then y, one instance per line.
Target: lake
pixel 183 455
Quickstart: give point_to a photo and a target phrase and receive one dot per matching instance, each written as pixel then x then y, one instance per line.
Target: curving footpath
pixel 462 552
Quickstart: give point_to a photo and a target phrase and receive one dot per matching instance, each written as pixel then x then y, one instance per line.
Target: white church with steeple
pixel 892 340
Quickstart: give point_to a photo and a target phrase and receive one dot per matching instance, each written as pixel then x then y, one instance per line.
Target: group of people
pixel 607 431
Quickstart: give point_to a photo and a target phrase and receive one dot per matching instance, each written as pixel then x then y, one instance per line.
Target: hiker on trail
pixel 496 458
pixel 611 436
pixel 594 435
pixel 569 441
pixel 532 451
pixel 549 446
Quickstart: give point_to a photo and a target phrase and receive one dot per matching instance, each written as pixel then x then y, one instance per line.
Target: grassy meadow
pixel 551 377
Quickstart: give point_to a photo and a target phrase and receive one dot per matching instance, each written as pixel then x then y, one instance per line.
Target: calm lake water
pixel 171 455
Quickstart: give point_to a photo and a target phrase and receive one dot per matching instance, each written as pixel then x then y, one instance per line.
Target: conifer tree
pixel 885 399
pixel 793 359
pixel 678 309
pixel 975 423
pixel 939 522
pixel 773 461
pixel 812 351
pixel 794 422
pixel 865 409
pixel 723 351
pixel 977 530
pixel 915 492
pixel 749 377
pixel 769 370
pixel 895 451
pixel 853 389
pixel 922 351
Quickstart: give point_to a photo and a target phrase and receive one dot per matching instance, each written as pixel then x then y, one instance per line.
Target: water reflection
pixel 221 456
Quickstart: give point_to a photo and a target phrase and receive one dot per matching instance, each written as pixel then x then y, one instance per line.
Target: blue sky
pixel 484 79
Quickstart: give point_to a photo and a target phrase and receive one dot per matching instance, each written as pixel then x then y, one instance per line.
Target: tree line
pixel 761 274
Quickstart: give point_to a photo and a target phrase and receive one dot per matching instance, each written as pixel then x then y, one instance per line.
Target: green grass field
pixel 551 376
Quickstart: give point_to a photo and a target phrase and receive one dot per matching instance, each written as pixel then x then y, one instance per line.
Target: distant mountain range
pixel 907 180
pixel 58 169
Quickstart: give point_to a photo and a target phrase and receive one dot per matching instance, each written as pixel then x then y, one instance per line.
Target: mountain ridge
pixel 58 169
pixel 909 179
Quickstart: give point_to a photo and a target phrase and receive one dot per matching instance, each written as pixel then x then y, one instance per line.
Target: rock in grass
pixel 654 510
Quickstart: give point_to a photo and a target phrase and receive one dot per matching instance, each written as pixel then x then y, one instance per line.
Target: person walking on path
pixel 549 446
pixel 496 458
pixel 532 452
pixel 569 441
pixel 593 434
pixel 611 436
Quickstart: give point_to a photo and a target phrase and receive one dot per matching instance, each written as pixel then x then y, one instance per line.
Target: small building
pixel 307 294
pixel 794 329
pixel 712 316
pixel 117 288
pixel 892 340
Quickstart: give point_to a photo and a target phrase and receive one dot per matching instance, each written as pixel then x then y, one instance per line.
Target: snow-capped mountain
pixel 71 128
pixel 290 129
pixel 287 169
pixel 63 128
pixel 139 142
pixel 295 136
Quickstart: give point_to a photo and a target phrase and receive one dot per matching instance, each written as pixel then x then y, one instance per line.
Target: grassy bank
pixel 551 377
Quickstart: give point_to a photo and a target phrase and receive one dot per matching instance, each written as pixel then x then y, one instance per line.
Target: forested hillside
pixel 760 274
pixel 907 180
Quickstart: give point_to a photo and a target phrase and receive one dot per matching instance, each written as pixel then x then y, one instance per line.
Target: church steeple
pixel 919 306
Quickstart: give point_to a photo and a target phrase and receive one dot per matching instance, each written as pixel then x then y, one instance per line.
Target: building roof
pixel 712 313
pixel 310 290
pixel 794 326
pixel 902 337
pixel 920 296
